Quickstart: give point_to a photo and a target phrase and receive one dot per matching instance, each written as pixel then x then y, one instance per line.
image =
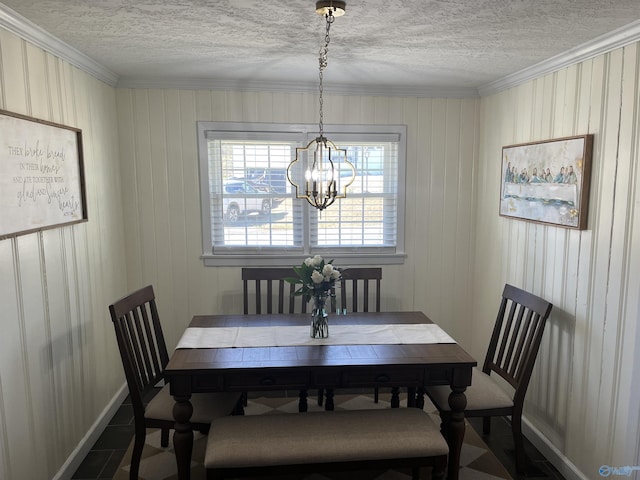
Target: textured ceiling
pixel 401 43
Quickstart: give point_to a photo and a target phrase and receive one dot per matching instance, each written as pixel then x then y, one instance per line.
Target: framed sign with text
pixel 41 175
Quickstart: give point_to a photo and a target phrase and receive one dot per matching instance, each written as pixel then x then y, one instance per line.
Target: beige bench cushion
pixel 483 394
pixel 322 437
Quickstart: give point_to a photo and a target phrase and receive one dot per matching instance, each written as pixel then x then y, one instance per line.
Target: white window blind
pixel 250 214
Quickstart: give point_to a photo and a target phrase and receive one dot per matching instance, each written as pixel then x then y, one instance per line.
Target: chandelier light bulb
pixel 330 175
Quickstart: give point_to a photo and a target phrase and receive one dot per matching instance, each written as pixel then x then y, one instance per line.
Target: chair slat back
pixel 279 293
pixel 140 341
pixel 516 337
pixel 356 299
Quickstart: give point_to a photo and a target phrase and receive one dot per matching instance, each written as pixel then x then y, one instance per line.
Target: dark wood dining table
pixel 250 369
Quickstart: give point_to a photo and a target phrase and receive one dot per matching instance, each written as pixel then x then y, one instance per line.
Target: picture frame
pixel 42 181
pixel 547 181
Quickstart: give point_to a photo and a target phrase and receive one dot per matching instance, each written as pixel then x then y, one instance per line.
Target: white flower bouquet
pixel 315 276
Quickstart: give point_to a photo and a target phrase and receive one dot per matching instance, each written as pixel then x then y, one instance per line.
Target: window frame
pixel 257 256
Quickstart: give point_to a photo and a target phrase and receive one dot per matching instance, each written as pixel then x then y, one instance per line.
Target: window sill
pixel 287 260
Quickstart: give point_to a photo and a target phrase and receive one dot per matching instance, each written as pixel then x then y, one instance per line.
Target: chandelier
pixel 328 173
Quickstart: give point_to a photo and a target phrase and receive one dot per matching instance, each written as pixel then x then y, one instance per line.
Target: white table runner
pixel 287 336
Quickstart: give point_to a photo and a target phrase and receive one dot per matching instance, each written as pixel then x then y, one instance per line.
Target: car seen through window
pixel 243 197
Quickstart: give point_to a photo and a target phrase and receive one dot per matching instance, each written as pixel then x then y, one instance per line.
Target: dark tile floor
pixel 107 453
pixel 500 442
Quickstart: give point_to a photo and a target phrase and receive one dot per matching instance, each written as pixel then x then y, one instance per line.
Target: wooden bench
pixel 323 441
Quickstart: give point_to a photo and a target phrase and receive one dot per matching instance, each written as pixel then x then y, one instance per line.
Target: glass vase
pixel 319 317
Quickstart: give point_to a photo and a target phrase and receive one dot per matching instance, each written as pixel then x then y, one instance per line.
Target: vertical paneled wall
pixel 159 158
pixel 59 365
pixel 583 398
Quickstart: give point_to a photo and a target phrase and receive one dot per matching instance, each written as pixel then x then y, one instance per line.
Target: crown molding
pixel 29 31
pixel 600 45
pixel 295 87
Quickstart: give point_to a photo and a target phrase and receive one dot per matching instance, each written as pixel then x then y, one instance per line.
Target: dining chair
pixel 144 357
pixel 265 290
pixel 512 352
pixel 261 284
pixel 358 291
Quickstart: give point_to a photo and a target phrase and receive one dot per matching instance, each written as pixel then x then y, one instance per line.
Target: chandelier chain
pixel 324 51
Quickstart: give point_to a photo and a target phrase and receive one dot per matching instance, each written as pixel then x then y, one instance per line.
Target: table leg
pixel 420 398
pixel 411 397
pixel 328 403
pixel 456 427
pixel 303 405
pixel 183 435
pixel 395 397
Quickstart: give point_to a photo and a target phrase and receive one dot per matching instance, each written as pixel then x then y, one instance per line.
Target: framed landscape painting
pixel 547 181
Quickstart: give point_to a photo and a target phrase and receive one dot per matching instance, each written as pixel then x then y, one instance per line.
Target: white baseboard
pixel 84 446
pixel 568 470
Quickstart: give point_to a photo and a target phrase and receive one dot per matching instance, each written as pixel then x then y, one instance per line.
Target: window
pixel 250 215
